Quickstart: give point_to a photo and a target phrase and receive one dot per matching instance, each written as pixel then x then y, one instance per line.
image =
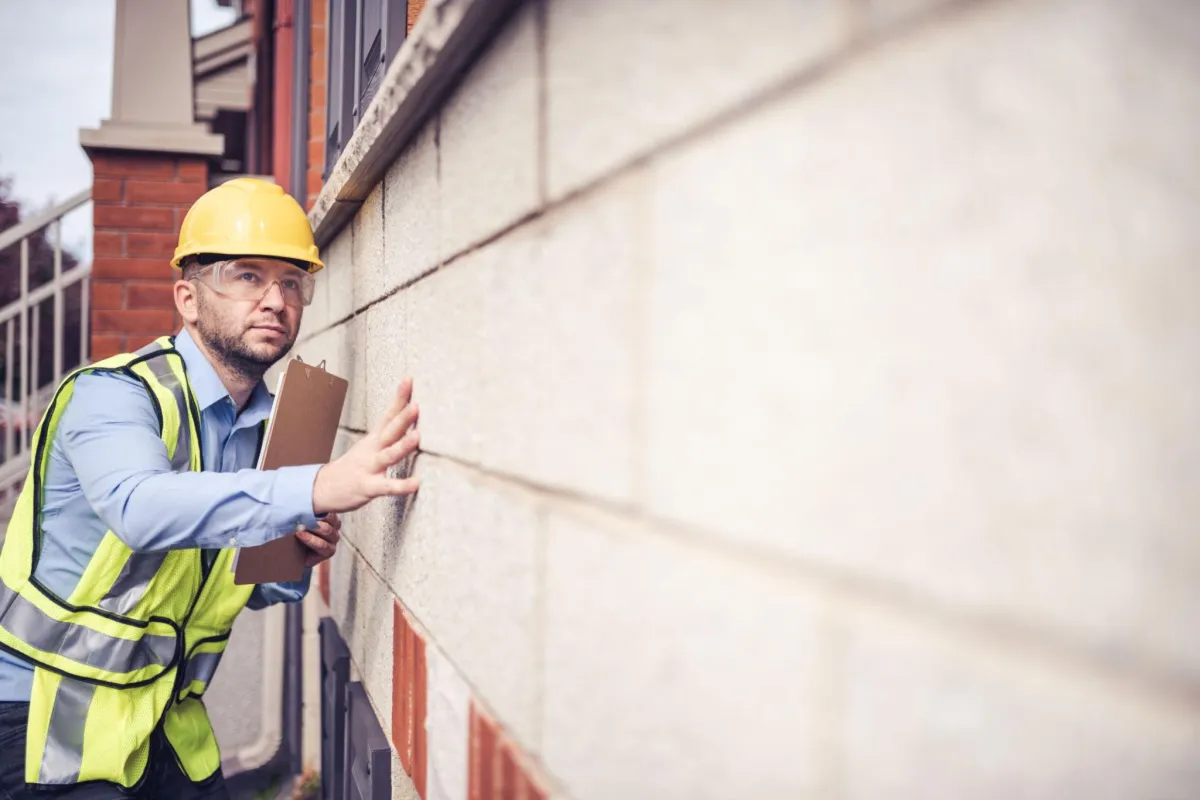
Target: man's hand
pixel 322 540
pixel 360 475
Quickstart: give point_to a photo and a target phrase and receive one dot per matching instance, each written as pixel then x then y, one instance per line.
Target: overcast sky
pixel 55 78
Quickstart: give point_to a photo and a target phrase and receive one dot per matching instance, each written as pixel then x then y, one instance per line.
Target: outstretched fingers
pixel 399 450
pixel 400 401
pixel 395 487
pixel 391 431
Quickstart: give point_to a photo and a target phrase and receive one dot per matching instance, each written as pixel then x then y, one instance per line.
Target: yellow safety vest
pixel 138 641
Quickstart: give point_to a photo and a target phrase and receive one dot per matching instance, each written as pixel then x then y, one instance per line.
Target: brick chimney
pixel 149 164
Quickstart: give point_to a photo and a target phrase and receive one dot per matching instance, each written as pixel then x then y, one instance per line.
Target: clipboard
pixel 301 430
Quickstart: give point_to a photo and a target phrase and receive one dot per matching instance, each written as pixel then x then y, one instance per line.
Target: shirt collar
pixel 207 385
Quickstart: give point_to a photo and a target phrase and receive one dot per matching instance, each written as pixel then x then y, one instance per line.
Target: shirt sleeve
pixel 110 434
pixel 266 594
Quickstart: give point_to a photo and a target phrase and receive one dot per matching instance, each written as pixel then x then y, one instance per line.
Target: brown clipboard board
pixel 302 429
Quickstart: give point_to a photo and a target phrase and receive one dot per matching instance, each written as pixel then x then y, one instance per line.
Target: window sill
pixel 448 36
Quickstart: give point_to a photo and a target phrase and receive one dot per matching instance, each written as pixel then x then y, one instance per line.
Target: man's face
pixel 250 311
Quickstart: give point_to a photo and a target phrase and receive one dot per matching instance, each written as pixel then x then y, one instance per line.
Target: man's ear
pixel 187 301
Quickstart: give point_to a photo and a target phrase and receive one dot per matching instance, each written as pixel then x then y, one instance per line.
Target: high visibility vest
pixel 138 641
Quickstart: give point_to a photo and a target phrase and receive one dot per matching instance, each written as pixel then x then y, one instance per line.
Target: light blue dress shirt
pixel 109 470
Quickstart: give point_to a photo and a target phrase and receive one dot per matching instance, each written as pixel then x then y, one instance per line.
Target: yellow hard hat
pixel 248 217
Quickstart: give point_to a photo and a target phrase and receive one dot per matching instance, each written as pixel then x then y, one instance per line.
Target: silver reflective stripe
pixel 31 625
pixel 63 753
pixel 182 460
pixel 201 667
pixel 130 586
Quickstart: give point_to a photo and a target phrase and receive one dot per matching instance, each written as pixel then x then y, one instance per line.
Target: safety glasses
pixel 245 279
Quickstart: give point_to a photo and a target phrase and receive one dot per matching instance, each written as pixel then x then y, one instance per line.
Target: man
pixel 116 595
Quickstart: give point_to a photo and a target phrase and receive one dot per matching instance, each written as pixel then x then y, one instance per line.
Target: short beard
pixel 232 351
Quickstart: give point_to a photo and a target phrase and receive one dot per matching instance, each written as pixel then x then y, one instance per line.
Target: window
pixel 364 36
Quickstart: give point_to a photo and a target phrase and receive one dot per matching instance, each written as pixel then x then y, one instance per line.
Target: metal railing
pixel 21 323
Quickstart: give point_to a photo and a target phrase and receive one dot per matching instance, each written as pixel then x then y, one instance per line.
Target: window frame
pixel 354 71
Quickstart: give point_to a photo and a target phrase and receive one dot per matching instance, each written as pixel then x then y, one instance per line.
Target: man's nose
pixel 273 299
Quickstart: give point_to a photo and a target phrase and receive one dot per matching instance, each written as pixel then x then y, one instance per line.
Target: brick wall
pixel 807 406
pixel 139 201
pixel 317 72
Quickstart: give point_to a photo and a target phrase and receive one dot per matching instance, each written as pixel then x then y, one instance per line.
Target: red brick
pixel 530 790
pixel 316 153
pixel 108 243
pixel 193 171
pixel 126 218
pixel 123 165
pixel 414 11
pixel 127 321
pixel 316 98
pixel 318 41
pixel 473 753
pixel 166 192
pixel 151 245
pixel 130 268
pixel 106 190
pixel 105 346
pixel 400 687
pixel 483 748
pixel 314 182
pixel 506 788
pixel 323 580
pixel 150 295
pixel 106 295
pixel 418 715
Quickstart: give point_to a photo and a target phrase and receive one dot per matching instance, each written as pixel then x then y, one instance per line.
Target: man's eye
pixel 248 277
pixel 291 284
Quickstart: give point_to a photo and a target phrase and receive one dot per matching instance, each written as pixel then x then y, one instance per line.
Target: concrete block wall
pixel 808 396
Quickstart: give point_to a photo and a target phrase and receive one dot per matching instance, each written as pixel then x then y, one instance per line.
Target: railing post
pixel 24 406
pixel 8 388
pixel 58 302
pixel 22 390
pixel 85 290
pixel 35 358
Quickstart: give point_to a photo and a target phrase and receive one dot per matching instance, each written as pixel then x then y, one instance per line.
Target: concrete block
pixel 489 139
pixel 882 15
pixel 671 673
pixel 443 346
pixel 384 341
pixel 338 275
pixel 341 598
pixel 412 216
pixel 954 355
pixel 316 317
pixel 466 566
pixel 625 76
pixel 448 713
pixel 557 378
pixel 367 248
pixel 402 785
pixel 1000 725
pixel 492 337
